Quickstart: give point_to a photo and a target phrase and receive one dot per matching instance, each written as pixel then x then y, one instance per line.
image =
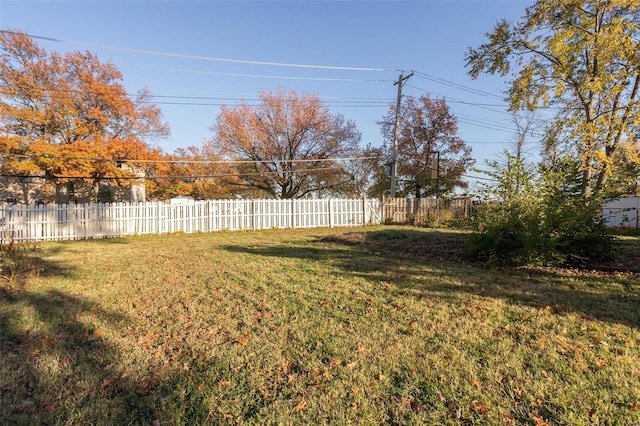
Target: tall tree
pixel 431 157
pixel 68 116
pixel 581 58
pixel 287 146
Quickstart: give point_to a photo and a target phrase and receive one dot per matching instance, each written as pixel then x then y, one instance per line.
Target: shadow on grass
pixel 416 266
pixel 57 366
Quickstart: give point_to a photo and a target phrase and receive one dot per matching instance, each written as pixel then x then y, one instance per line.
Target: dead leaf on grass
pixel 480 408
pixel 335 363
pixel 48 341
pixel 106 382
pixel 224 383
pixel 540 421
pixel 508 419
pixel 301 406
pixel 97 334
pixel 50 406
pixel 477 385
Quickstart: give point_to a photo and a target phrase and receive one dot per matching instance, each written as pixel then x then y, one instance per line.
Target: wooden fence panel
pixel 425 210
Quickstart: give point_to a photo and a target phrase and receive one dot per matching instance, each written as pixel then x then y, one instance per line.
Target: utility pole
pixel 394 159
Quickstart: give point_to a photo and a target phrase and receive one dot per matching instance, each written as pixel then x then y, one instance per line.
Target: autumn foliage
pixel 427 132
pixel 67 117
pixel 286 146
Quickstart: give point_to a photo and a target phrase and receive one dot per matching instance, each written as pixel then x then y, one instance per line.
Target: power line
pixel 152 177
pixel 457 85
pixel 335 102
pixel 230 74
pixel 479 178
pixel 475 104
pixel 146 161
pixel 200 57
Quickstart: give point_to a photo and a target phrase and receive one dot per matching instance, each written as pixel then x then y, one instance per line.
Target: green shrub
pixel 538 221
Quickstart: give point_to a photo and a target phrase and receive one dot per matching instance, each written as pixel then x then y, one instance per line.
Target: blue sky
pixel 191 81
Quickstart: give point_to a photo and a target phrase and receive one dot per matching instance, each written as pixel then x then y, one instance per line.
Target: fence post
pixel 330 214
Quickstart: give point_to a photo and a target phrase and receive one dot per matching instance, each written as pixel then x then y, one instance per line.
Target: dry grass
pixel 313 327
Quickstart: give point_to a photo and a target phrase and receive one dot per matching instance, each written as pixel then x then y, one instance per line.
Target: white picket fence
pixel 84 221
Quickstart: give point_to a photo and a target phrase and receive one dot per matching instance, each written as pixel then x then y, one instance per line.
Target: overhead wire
pixel 152 177
pixel 184 161
pixel 458 86
pixel 279 77
pixel 202 57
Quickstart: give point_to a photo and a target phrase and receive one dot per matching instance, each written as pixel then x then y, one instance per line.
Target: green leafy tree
pixel 581 60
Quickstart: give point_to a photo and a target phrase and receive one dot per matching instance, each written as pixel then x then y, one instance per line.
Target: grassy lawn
pixel 322 326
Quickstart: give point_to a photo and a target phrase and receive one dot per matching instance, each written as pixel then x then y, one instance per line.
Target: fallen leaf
pixel 97 334
pixel 335 362
pixel 517 391
pixel 106 382
pixel 477 385
pixel 224 383
pixel 480 408
pixel 324 304
pixel 301 405
pixel 50 406
pixel 601 363
pixel 508 419
pixel 635 405
pixel 540 421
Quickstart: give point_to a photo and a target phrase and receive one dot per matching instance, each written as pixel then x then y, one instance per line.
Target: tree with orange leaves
pixel 287 146
pixel 68 118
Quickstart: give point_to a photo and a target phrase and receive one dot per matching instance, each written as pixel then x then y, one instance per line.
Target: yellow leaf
pixel 480 408
pixel 301 405
pixel 540 421
pixel 97 334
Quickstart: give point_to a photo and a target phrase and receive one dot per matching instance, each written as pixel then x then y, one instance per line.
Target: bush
pixel 545 222
pixel 566 231
pixel 17 261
